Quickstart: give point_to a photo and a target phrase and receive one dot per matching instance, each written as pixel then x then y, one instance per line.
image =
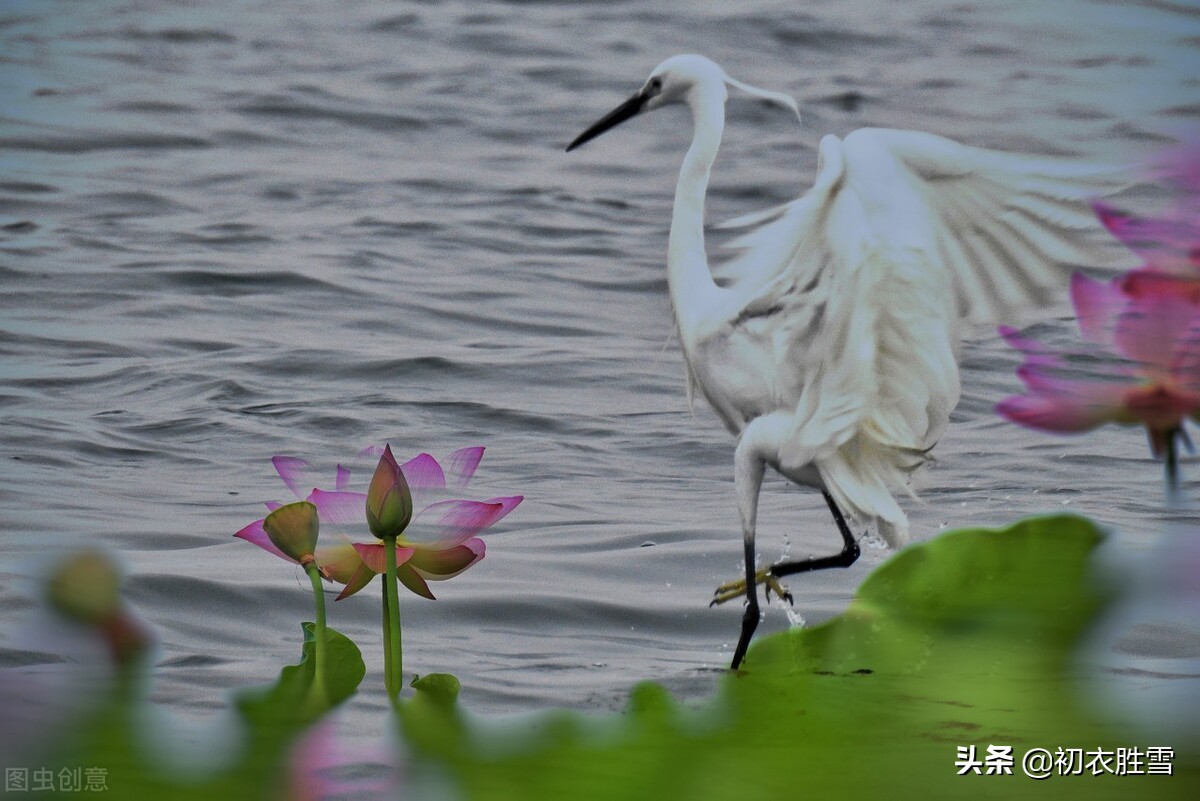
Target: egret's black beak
pixel 618 115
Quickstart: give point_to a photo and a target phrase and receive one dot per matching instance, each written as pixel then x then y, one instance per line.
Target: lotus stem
pixel 387 640
pixel 394 666
pixel 1172 465
pixel 319 661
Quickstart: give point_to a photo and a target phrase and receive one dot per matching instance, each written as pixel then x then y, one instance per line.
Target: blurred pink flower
pixel 320 760
pixel 1167 244
pixel 1141 360
pixel 440 539
pixel 1143 366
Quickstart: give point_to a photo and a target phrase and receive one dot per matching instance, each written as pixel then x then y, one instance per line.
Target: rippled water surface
pixel 242 229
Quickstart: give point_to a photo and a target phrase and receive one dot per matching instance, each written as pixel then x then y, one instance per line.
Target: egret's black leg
pixel 848 556
pixel 750 616
pixel 769 576
pixel 748 467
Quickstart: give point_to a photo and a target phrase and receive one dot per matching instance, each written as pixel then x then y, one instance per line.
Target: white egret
pixel 832 353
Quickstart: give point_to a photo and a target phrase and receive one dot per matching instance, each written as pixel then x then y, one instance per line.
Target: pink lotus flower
pixel 289 468
pixel 437 542
pixel 290 532
pixel 436 536
pixel 1145 333
pixel 1141 361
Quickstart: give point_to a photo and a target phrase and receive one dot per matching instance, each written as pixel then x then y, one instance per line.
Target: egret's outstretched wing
pixel 864 279
pixel 1005 230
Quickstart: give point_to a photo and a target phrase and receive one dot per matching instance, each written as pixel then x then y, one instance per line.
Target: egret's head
pixel 675 81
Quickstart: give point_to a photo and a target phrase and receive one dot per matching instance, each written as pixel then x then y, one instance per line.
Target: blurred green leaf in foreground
pixel 969 639
pixel 273 719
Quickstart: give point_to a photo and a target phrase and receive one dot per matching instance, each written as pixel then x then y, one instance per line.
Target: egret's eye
pixel 655 85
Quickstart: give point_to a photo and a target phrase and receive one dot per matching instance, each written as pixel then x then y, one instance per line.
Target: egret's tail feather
pixel 861 476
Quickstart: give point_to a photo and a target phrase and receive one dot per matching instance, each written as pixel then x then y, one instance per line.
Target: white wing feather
pixel 1006 229
pixel 867 277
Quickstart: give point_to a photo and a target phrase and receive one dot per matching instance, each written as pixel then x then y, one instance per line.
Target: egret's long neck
pixel 693 290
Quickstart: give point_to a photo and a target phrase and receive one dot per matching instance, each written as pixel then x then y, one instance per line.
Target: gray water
pixel 243 229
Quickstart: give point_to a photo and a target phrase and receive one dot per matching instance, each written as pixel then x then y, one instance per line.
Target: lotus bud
pixel 389 501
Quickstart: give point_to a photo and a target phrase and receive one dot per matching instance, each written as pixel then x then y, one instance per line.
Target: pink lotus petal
pixel 447 563
pixel 342 482
pixel 1142 236
pixel 426 481
pixel 1053 377
pixel 1037 355
pixel 1039 380
pixel 273 505
pixel 256 534
pixel 460 466
pixel 1119 223
pixel 1184 367
pixel 1078 407
pixel 320 763
pixel 1149 328
pixel 1021 342
pixel 1163 311
pixel 423 472
pixel 449 523
pixel 1185 363
pixel 1167 244
pixel 507 504
pixel 371 453
pixel 341 508
pixel 1161 407
pixel 290 469
pixel 414 582
pixel 1097 305
pixel 305 779
pixel 375 558
pixel 1180 165
pixel 1148 286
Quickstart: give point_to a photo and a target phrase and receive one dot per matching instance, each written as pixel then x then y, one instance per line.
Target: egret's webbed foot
pixel 737 588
